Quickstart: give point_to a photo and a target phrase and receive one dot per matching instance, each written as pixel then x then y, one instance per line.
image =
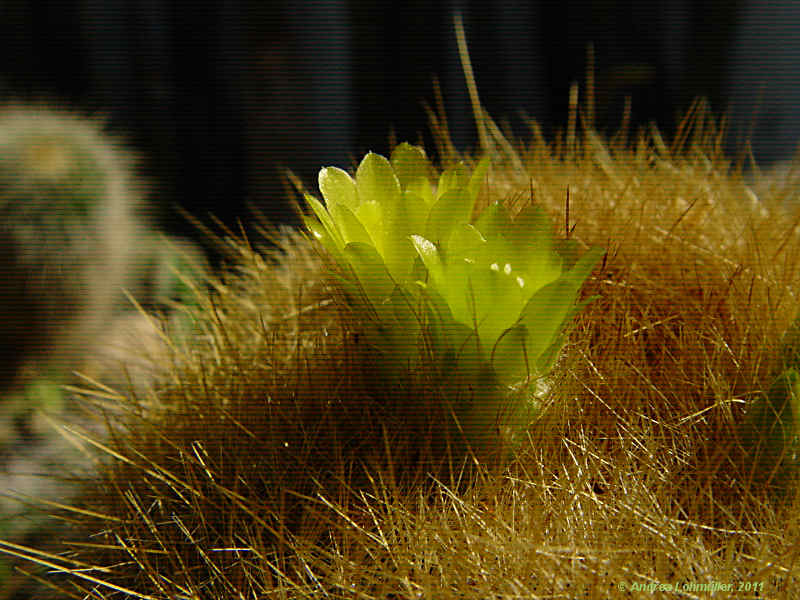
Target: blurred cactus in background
pixel 67 225
pixel 72 238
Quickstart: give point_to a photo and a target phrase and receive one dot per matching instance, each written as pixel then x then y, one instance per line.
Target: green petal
pixel 454 178
pixel 379 190
pixel 460 294
pixel 510 356
pixel 449 280
pixel 546 312
pixel 376 181
pixel 568 250
pixel 370 215
pixel 449 210
pixel 531 237
pixel 498 299
pixel 417 211
pixel 431 258
pixel 476 180
pixel 493 221
pixel 373 276
pixel 406 325
pixel 338 187
pixel 583 268
pixel 318 231
pixel 422 188
pixel 438 322
pixel 353 289
pixel 325 219
pixel 410 164
pixel 466 242
pixel 351 228
pixel 400 221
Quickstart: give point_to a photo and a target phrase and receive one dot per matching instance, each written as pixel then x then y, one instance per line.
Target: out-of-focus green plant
pixel 483 303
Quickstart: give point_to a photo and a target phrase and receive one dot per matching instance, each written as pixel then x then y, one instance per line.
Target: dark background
pixel 219 96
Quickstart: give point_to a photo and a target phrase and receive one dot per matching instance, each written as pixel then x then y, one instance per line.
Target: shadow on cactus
pixel 481 303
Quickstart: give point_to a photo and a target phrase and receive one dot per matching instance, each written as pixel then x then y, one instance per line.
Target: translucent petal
pixel 338 187
pixel 376 181
pixel 454 178
pixel 410 164
pixel 325 219
pixel 351 228
pixel 450 209
pixel 476 180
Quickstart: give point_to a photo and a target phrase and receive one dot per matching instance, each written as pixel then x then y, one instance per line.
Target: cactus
pixel 67 223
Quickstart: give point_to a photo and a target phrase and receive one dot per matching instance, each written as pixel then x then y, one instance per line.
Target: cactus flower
pixel 489 299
